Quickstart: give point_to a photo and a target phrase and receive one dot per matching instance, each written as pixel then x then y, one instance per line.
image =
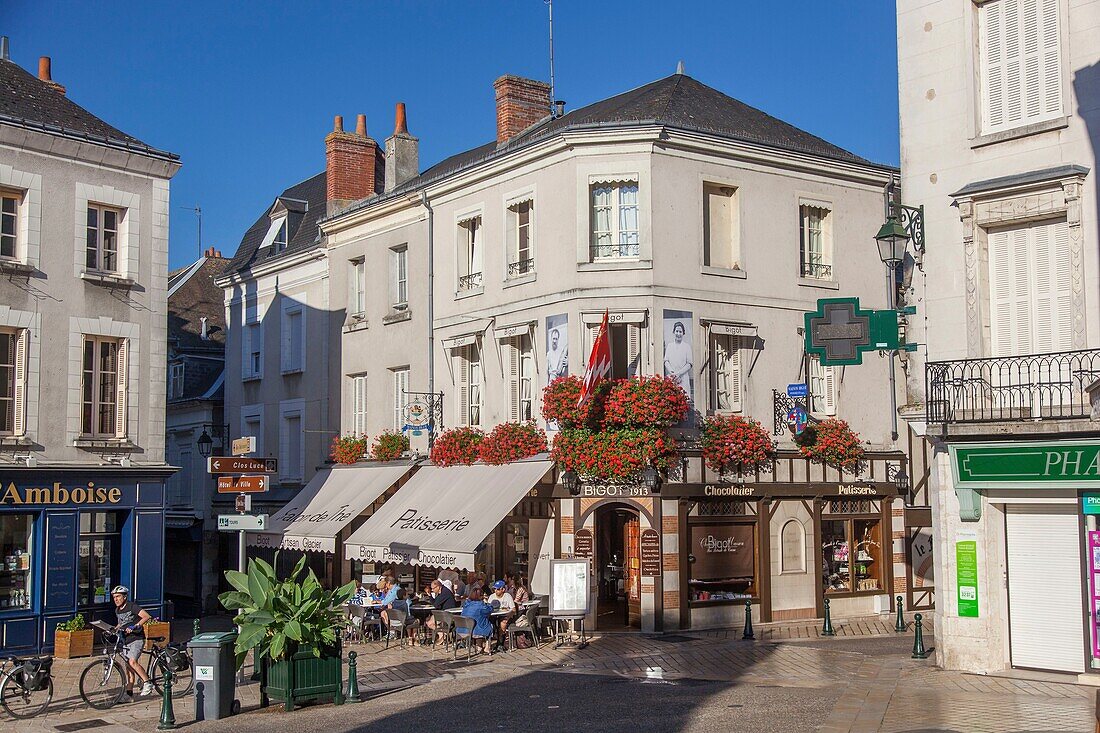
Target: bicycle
pixel 103 682
pixel 27 687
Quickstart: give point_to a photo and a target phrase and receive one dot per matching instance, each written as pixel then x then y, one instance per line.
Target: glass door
pixel 98 557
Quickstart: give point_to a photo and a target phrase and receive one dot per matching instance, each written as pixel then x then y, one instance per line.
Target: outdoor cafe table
pixel 422 612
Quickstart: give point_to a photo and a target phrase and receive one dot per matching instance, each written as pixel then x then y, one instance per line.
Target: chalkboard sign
pixel 60 585
pixel 649 547
pixel 582 543
pixel 569 582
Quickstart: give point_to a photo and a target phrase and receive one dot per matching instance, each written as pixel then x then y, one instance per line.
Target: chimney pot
pixel 44 68
pixel 361 125
pixel 338 124
pixel 401 125
pixel 4 49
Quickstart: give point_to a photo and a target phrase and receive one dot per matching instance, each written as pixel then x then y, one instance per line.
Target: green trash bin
pixel 214 669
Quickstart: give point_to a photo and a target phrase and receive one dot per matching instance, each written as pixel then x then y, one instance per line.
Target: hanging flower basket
pixel 832 442
pixel 732 443
pixel 389 446
pixel 646 402
pixel 559 403
pixel 512 441
pixel 457 447
pixel 614 456
pixel 348 449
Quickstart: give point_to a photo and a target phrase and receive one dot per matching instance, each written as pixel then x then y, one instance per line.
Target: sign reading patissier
pixel 1027 464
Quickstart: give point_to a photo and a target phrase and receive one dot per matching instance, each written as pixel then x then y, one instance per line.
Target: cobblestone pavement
pixel 789 679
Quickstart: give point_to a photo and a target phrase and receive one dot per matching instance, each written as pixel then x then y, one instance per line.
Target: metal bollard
pixel 748 621
pixel 167 717
pixel 353 679
pixel 899 625
pixel 195 628
pixel 827 627
pixel 918 639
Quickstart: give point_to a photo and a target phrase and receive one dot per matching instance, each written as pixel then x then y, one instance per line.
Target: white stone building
pixel 999 130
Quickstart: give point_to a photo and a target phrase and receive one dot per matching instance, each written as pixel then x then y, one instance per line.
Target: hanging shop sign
pixel 840 331
pixel 1027 464
pixel 649 549
pixel 966 573
pixel 460 341
pixel 507 332
pixel 731 329
pixel 418 416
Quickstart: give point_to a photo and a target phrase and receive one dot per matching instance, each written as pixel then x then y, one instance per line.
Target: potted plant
pixel 389 446
pixel 614 456
pixel 348 449
pixel 646 402
pixel 832 442
pixel 560 403
pixel 155 628
pixel 734 443
pixel 290 628
pixel 512 441
pixel 457 447
pixel 73 638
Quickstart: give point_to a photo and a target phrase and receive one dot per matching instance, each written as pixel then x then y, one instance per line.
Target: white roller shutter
pixel 1046 621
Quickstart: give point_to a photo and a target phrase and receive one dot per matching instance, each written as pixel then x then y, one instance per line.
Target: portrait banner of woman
pixel 679 361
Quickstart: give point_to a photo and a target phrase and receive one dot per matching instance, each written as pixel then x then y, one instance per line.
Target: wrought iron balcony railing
pixel 615 251
pixel 1007 388
pixel 817 270
pixel 522 267
pixel 469 282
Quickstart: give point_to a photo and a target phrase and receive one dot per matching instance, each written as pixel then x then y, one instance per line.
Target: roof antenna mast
pixel 553 96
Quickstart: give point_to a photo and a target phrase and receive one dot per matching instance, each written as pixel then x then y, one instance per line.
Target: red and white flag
pixel 599 363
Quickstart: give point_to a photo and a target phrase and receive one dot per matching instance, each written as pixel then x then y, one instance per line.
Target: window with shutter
pixel 1020 60
pixel 8 369
pixel 463 371
pixel 293 355
pixel 720 228
pixel 725 376
pixel 520 239
pixel 19 402
pixel 633 350
pixel 469 254
pixel 359 404
pixel 120 386
pixel 513 379
pixel 475 385
pixel 400 397
pixel 823 388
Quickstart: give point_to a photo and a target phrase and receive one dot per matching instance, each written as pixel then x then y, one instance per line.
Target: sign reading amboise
pixel 1018 465
pixel 83 494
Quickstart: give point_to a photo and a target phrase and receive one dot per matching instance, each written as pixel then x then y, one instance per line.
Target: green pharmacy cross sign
pixel 840 331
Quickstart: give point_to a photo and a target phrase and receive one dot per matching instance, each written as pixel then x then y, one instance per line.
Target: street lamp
pixel 571 481
pixel 901 483
pixel 892 240
pixel 205 443
pixel 652 479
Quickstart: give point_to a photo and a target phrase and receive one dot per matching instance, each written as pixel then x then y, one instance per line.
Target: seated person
pixel 520 595
pixel 501 600
pixel 476 608
pixel 389 598
pixel 359 597
pixel 442 597
pixel 473 583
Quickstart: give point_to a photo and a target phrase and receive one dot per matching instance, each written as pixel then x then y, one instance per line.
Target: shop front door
pixel 618 568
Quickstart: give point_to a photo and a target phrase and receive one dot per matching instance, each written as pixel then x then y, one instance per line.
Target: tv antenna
pixel 553 96
pixel 198 212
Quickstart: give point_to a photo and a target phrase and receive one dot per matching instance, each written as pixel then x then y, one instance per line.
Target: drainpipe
pixel 431 310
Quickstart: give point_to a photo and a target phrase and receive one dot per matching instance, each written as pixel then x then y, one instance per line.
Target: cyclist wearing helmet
pixel 130 618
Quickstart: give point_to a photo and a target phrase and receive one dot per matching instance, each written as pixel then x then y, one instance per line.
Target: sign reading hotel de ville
pixel 1030 464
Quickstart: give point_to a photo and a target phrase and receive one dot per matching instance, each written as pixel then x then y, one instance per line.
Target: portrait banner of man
pixel 557 346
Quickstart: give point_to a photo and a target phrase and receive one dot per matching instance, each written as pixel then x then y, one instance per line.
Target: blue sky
pixel 245 92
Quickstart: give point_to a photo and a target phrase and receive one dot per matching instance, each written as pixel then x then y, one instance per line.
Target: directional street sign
pixel 227 464
pixel 238 522
pixel 243 484
pixel 244 446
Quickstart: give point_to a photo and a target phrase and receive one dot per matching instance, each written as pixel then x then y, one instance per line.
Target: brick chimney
pixel 402 152
pixel 520 104
pixel 212 252
pixel 45 75
pixel 350 164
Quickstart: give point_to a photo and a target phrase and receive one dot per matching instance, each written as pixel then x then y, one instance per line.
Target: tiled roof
pixel 27 101
pixel 192 299
pixel 304 236
pixel 676 101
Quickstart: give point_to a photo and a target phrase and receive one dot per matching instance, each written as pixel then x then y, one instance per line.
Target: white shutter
pixel 1002 294
pixel 590 333
pixel 634 350
pixel 1044 587
pixel 832 387
pixel 19 426
pixel 1020 48
pixel 993 51
pixel 1051 62
pixel 514 346
pixel 287 342
pixel 463 387
pixel 733 374
pixel 511 236
pixel 1053 295
pixel 120 386
pixel 359 405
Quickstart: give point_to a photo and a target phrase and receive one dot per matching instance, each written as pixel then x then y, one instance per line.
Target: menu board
pixel 582 543
pixel 569 582
pixel 649 547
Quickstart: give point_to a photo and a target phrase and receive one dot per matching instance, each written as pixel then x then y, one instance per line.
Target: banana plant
pixel 276 617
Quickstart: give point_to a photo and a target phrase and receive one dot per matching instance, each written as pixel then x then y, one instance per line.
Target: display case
pixel 16 532
pixel 851 555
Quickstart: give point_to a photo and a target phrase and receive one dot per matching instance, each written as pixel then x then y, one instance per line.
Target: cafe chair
pixel 368 622
pixel 464 623
pixel 445 627
pixel 402 623
pixel 531 613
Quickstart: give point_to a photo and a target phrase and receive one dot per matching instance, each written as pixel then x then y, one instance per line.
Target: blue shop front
pixel 66 538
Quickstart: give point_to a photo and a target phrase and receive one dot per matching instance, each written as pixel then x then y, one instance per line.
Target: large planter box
pixel 155 629
pixel 303 678
pixel 73 644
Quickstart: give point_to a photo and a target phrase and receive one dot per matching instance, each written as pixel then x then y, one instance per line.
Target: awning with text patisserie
pixel 442 515
pixel 332 499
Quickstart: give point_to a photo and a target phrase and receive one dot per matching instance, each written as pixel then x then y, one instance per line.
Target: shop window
pixel 722 561
pixel 792 541
pixel 516 548
pixel 852 559
pixel 15 551
pixel 98 554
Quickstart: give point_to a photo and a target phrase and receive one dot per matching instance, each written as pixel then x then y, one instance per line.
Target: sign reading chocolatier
pixel 722 551
pixel 649 547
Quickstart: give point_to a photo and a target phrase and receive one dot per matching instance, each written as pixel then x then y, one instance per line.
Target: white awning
pixel 442 514
pixel 334 497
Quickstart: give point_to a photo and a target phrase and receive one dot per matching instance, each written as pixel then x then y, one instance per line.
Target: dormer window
pixel 279 243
